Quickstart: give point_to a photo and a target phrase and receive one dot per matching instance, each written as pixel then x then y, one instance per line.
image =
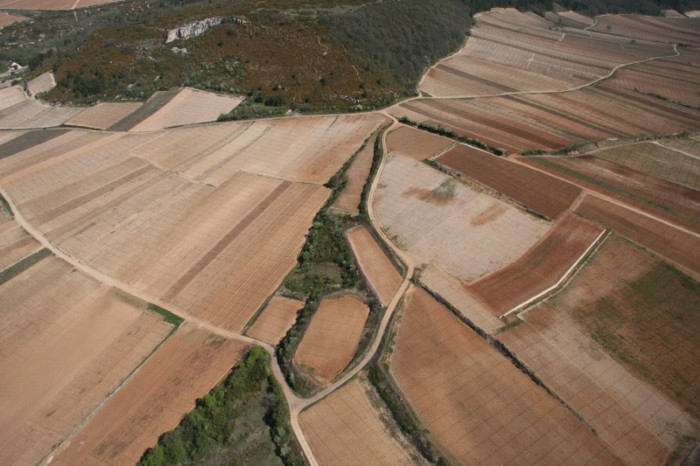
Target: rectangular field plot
pixel 331 340
pixel 665 199
pixel 276 319
pixel 379 270
pixel 15 243
pixel 416 144
pixel 442 221
pixel 678 246
pixel 155 399
pixel 10 96
pixel 102 116
pixel 348 201
pixel 31 113
pixel 477 406
pixel 640 311
pixel 66 344
pixel 347 428
pixel 536 191
pixel 540 268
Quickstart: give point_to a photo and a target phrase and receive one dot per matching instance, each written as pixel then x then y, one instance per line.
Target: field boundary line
pixel 571 271
pixel 676 150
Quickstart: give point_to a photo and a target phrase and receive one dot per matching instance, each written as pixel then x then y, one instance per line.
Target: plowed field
pixel 276 320
pixel 444 222
pixel 102 116
pixel 475 404
pixel 42 83
pixel 155 400
pixel 379 270
pixel 15 243
pixel 536 191
pixel 346 428
pixel 416 144
pixel 541 267
pixel 67 343
pixel 332 338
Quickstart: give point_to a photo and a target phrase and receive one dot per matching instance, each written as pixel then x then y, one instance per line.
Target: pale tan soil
pixel 6 136
pixel 416 144
pixel 463 231
pixel 348 201
pixel 31 113
pixel 276 319
pixel 42 83
pixel 189 106
pixel 10 96
pixel 66 343
pixel 331 340
pixel 653 28
pixel 347 429
pixel 379 270
pixel 154 401
pixel 15 243
pixel 104 115
pixel 538 269
pixel 657 160
pixel 475 404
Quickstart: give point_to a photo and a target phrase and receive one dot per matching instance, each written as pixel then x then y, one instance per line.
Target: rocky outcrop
pixel 193 29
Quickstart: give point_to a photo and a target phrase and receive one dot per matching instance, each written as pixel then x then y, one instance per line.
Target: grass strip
pixel 19 267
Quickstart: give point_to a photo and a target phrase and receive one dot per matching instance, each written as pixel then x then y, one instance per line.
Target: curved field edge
pixel 328 233
pixel 226 423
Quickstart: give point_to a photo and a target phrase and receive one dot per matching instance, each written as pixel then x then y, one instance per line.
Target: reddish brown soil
pixel 672 243
pixel 416 143
pixel 154 401
pixel 535 190
pixel 380 271
pixel 539 268
pixel 475 404
pixel 276 320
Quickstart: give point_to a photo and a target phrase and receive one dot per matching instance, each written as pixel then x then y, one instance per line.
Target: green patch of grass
pixel 167 315
pixel 243 420
pixel 19 267
pixel 5 206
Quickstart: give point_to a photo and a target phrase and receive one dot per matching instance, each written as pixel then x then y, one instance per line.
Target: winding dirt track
pixel 295 403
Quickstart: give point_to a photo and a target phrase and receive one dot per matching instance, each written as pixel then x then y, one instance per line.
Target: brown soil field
pixel 7 136
pixel 687 146
pixel 655 159
pixel 66 344
pixel 535 190
pixel 124 203
pixel 15 243
pixel 157 101
pixel 442 221
pixel 379 270
pixel 276 319
pixel 416 144
pixel 102 116
pixel 541 267
pixel 676 245
pixel 42 83
pixel 348 428
pixel 6 19
pixel 639 310
pixel 348 201
pixel 29 113
pixel 331 340
pixel 189 106
pixel 665 199
pixel 474 402
pixel 652 28
pixel 155 400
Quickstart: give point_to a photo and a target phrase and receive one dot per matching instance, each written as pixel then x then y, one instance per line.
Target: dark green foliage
pixel 23 265
pixel 6 206
pixel 243 420
pixel 647 7
pixel 249 110
pixel 168 316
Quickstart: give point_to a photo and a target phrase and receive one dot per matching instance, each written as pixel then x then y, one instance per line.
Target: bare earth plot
pixel 276 320
pixel 537 191
pixel 15 243
pixel 332 338
pixel 346 428
pixel 687 146
pixel 510 51
pixel 187 107
pixel 6 19
pixel 476 405
pixel 42 83
pixel 657 160
pixel 683 30
pixel 67 342
pixel 379 270
pixel 441 221
pixel 676 245
pixel 215 247
pixel 104 115
pixel 155 400
pixel 30 113
pixel 621 328
pixel 665 199
pixel 416 144
pixel 538 269
pixel 10 96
